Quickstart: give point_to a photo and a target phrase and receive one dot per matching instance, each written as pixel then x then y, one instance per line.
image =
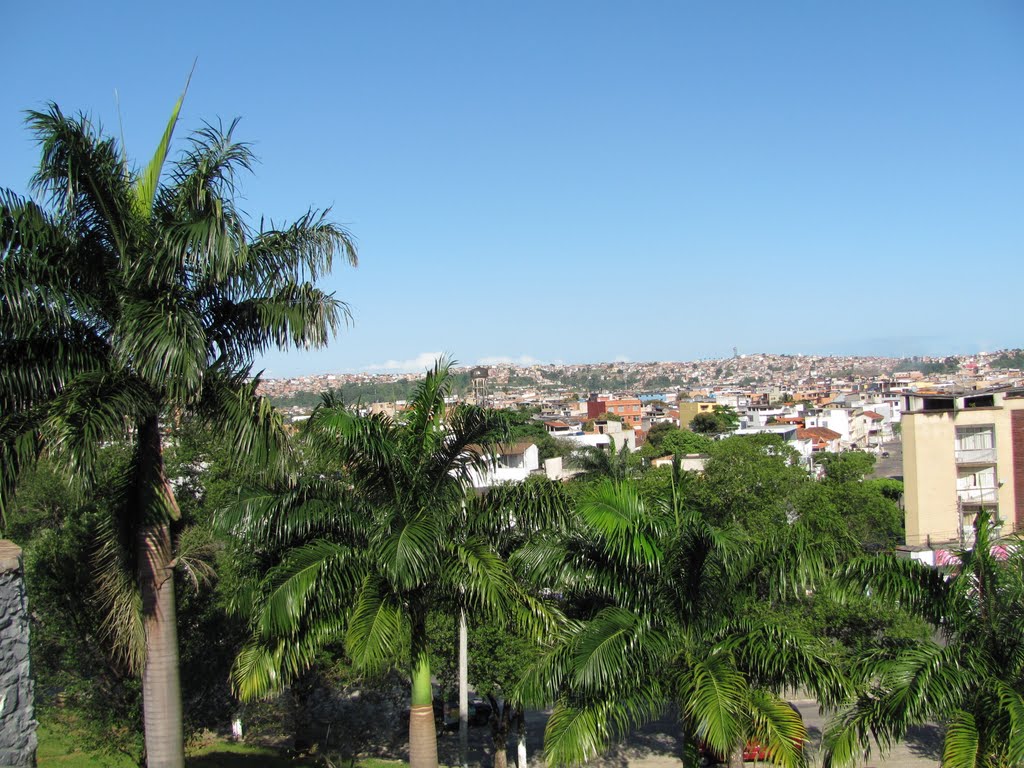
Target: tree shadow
pixel 925 741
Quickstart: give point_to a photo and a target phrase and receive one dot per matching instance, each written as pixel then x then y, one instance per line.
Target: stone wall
pixel 17 724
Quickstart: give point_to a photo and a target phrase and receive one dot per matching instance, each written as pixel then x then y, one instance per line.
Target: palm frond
pixel 310 582
pixel 408 553
pixel 231 405
pixel 147 183
pixel 908 583
pixel 375 634
pixel 161 340
pixel 117 592
pixel 480 575
pixel 83 175
pixel 777 658
pixel 302 251
pixel 96 408
pixel 960 749
pixel 714 699
pixel 779 728
pixel 625 529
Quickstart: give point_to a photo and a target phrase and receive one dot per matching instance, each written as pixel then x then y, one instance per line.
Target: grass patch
pixel 58 749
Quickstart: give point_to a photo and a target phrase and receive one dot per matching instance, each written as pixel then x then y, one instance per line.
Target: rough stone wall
pixel 17 724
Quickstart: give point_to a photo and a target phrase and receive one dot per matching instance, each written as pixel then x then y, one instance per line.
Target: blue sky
pixel 588 181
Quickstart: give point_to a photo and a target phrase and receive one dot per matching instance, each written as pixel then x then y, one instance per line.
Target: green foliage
pixel 662 605
pixel 657 433
pixel 1012 359
pixel 722 419
pixel 705 424
pixel 132 296
pixel 683 441
pixel 81 681
pixel 525 428
pixel 947 365
pixel 363 554
pixel 970 676
pixel 749 481
pixel 598 462
pixel 848 466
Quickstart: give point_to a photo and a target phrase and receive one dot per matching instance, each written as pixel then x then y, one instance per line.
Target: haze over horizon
pixel 426 360
pixel 591 181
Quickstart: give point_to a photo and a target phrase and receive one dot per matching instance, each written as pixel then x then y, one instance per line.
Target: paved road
pixel 893 465
pixel 657 745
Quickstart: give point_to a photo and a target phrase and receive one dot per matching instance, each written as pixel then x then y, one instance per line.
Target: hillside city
pixel 817 405
pixel 413 560
pixel 740 380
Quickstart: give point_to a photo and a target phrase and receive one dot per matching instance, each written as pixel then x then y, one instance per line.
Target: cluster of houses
pixel 853 421
pixel 962 448
pixel 957 438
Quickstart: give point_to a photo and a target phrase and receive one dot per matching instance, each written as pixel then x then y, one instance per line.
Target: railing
pixel 978 495
pixel 975 455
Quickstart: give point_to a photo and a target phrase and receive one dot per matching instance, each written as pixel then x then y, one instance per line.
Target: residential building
pixel 508 463
pixel 629 409
pixel 690 408
pixel 962 451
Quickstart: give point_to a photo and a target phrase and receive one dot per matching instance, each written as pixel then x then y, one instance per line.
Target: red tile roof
pixel 817 433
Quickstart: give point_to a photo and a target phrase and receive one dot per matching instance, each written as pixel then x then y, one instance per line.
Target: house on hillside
pixel 509 463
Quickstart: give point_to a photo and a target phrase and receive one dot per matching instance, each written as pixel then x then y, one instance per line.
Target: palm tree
pixel 128 298
pixel 510 516
pixel 596 461
pixel 660 602
pixel 971 678
pixel 363 553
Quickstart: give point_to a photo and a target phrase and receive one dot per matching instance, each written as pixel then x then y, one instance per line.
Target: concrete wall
pixel 929 477
pixel 17 722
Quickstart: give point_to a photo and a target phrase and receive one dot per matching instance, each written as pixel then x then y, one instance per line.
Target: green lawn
pixel 58 750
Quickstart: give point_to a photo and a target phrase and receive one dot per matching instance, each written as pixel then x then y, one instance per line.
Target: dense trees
pixel 370 546
pixel 130 297
pixel 722 419
pixel 660 601
pixel 971 676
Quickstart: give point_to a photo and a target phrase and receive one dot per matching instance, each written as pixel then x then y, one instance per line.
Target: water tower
pixel 481 385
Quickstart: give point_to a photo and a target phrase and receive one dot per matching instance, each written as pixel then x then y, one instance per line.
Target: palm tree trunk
pixel 463 690
pixel 521 760
pixel 161 681
pixel 500 724
pixel 422 731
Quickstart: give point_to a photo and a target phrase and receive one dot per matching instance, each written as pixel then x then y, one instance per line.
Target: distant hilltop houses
pixel 951 428
pixel 755 376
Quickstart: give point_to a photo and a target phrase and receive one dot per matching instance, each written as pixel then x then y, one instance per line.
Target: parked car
pixel 752 750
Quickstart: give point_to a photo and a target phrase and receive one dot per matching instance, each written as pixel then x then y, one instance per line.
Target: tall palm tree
pixel 131 297
pixel 971 678
pixel 364 552
pixel 660 604
pixel 510 516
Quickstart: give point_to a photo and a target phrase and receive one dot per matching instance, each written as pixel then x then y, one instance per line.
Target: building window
pixel 976 444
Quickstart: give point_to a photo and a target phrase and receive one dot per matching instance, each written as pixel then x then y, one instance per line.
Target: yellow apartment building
pixel 962 452
pixel 690 408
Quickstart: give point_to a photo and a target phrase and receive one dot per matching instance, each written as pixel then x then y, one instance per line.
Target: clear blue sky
pixel 587 181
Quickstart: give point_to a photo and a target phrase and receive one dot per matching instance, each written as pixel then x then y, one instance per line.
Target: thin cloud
pixel 421 362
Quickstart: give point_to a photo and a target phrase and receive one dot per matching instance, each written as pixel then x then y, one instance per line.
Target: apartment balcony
pixel 988 497
pixel 975 455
